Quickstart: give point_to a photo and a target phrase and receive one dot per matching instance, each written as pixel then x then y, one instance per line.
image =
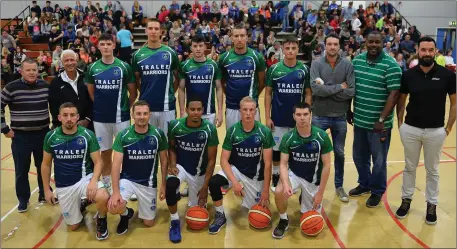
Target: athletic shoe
pixel 102 229
pixel 22 207
pixel 402 211
pixel 41 199
pixel 342 194
pixel 373 201
pixel 358 191
pixel 431 218
pixel 185 191
pixel 133 197
pixel 123 226
pixel 84 204
pixel 274 182
pixel 175 231
pixel 225 189
pixel 218 223
pixel 281 229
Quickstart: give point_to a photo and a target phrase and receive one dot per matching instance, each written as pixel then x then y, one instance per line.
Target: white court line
pixel 15 207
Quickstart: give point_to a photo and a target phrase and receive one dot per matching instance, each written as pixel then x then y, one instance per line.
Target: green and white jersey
pixel 156 67
pixel 247 148
pixel 191 144
pixel 305 153
pixel 373 83
pixel 201 81
pixel 111 101
pixel 240 72
pixel 141 154
pixel 71 154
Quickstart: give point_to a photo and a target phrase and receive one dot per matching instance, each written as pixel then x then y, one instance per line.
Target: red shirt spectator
pixel 162 16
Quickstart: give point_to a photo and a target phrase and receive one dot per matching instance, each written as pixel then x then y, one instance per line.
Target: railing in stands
pixel 403 18
pixel 16 18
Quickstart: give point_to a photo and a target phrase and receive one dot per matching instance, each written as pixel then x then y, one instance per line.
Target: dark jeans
pixel 338 129
pixel 369 146
pixel 24 144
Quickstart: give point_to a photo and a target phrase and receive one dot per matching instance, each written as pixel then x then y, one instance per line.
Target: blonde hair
pixel 248 99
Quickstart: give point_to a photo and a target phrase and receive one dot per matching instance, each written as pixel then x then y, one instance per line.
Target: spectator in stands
pixel 271 60
pixel 449 59
pixel 42 68
pixel 355 23
pixel 79 7
pixel 387 8
pixel 234 11
pixel 261 49
pixel 46 28
pixel 206 12
pixel 318 52
pixel 137 13
pixel 14 34
pixel 298 14
pixel 311 19
pixel 348 13
pixel 162 13
pixel 110 28
pixel 110 6
pixel 439 58
pixel 407 46
pixel 224 10
pixel 377 9
pixel 277 49
pixel 6 72
pixel 94 54
pixel 90 7
pixel 58 12
pixel 253 9
pixel 69 35
pixel 18 58
pixel 401 61
pixel 76 46
pixel 215 11
pixel 8 41
pixel 125 38
pixel 35 8
pixel 83 59
pixel 36 32
pixel 31 20
pixel 56 61
pixel 388 47
pixel 186 8
pixel 283 12
pixel 48 8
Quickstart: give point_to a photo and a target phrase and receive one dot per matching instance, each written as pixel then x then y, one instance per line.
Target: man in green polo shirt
pixel 377 84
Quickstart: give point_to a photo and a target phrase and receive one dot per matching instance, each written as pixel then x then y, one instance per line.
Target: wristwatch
pixel 381 120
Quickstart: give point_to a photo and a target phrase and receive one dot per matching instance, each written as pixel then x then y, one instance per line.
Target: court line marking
pixel 332 229
pixel 447 154
pixel 7 156
pixel 392 215
pixel 50 233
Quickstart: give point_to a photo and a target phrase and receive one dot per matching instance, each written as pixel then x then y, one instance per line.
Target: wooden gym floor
pixel 347 224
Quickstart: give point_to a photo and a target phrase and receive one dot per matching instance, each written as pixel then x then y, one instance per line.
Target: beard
pixel 426 61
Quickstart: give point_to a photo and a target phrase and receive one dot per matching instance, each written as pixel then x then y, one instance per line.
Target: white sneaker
pixel 342 194
pixel 133 197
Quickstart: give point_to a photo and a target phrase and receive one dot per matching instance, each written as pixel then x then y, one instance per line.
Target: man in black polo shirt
pixel 427 84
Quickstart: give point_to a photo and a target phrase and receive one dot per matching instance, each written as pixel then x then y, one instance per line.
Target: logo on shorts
pixel 201 136
pixel 153 207
pixel 80 140
pixel 276 138
pixel 257 198
pixel 117 72
pixel 165 56
pixel 66 214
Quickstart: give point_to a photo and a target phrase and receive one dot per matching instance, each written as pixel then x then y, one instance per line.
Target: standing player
pixel 193 148
pixel 137 150
pixel 77 168
pixel 241 161
pixel 243 74
pixel 288 83
pixel 306 149
pixel 108 81
pixel 155 66
pixel 201 77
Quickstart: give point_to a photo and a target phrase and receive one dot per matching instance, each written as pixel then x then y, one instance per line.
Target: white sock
pixel 174 216
pixel 275 170
pixel 283 216
pixel 126 212
pixel 219 209
pixel 106 180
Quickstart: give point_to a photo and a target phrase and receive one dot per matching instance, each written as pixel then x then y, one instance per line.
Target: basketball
pixel 259 217
pixel 311 223
pixel 197 218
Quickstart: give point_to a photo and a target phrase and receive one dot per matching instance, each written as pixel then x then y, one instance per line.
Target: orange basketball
pixel 311 223
pixel 259 217
pixel 197 218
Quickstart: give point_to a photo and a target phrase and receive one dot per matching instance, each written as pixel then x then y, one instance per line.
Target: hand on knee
pixel 148 223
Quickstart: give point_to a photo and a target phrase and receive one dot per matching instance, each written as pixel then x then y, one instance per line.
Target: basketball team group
pixel 99 157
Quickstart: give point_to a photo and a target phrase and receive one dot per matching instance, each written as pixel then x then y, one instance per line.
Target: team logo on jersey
pixel 165 56
pixel 117 72
pixel 314 145
pixel 201 136
pixel 80 141
pixel 152 141
pixel 208 68
pixel 300 75
pixel 249 62
pixel 257 139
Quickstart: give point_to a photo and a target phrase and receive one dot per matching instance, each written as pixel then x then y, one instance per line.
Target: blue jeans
pixel 368 146
pixel 338 129
pixel 285 22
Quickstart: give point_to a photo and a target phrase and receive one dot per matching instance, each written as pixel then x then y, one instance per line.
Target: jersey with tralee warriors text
pixel 247 147
pixel 71 154
pixel 141 154
pixel 111 101
pixel 201 81
pixel 240 73
pixel 305 153
pixel 156 67
pixel 191 144
pixel 288 85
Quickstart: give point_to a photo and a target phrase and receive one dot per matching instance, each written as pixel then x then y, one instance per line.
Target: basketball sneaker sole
pixel 279 237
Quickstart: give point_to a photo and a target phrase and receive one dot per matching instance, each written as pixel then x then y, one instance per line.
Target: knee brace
pixel 172 187
pixel 215 184
pixel 276 156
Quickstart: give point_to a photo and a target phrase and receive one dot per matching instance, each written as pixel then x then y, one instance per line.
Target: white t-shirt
pixel 73 83
pixel 356 24
pixel 449 60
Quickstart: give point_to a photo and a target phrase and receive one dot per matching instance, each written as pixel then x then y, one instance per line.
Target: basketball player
pixel 202 77
pixel 241 161
pixel 77 167
pixel 306 150
pixel 108 81
pixel 288 83
pixel 243 74
pixel 193 148
pixel 137 151
pixel 155 66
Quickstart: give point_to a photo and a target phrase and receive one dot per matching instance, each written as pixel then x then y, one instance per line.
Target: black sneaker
pixel 84 204
pixel 358 191
pixel 41 199
pixel 22 207
pixel 123 226
pixel 402 211
pixel 102 229
pixel 274 182
pixel 431 218
pixel 373 201
pixel 280 229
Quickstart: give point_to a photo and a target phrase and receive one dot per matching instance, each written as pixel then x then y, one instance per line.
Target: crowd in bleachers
pixel 78 27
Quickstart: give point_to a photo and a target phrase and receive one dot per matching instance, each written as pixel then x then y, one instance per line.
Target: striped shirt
pixel 28 105
pixel 373 82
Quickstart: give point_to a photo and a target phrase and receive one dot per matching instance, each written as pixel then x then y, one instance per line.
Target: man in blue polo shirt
pixel 124 37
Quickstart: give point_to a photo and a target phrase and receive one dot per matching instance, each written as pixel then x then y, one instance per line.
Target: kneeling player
pixel 193 148
pixel 241 160
pixel 306 149
pixel 136 150
pixel 77 168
